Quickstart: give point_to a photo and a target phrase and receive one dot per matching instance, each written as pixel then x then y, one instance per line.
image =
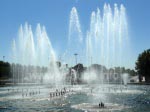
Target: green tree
pixel 143 65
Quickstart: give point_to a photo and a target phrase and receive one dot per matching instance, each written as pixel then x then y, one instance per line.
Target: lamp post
pixel 4 58
pixel 75 57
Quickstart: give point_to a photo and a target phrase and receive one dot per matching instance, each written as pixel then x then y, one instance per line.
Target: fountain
pixel 103 44
pixel 35 61
pixel 125 77
pixel 33 53
pixel 75 37
pixel 107 36
pixel 105 41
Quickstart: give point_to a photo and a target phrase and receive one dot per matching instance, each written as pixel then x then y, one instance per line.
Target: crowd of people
pixel 59 92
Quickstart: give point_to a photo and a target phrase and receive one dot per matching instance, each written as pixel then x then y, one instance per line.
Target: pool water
pixel 78 98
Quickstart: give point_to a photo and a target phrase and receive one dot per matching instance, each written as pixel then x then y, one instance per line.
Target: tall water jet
pixel 14 51
pixel 34 56
pixel 75 37
pixel 107 37
pixel 109 30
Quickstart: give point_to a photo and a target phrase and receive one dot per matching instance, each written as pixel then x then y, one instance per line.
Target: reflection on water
pixel 116 98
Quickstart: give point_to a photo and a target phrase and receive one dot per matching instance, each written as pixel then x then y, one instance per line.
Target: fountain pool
pixel 83 98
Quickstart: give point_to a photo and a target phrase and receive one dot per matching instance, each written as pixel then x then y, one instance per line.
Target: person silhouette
pixel 102 104
pixel 99 105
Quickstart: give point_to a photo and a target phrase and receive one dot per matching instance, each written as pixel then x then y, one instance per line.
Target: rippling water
pixel 117 98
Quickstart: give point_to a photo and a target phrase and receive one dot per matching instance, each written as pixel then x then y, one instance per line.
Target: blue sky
pixel 54 14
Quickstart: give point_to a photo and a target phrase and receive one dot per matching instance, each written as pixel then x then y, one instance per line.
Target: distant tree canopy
pixel 118 70
pixel 143 65
pixel 4 69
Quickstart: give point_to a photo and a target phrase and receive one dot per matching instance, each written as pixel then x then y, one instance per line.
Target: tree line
pixel 143 65
pixel 13 70
pixel 5 70
pixel 142 68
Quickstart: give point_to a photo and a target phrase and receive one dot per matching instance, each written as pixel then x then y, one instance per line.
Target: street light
pixel 4 58
pixel 76 57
